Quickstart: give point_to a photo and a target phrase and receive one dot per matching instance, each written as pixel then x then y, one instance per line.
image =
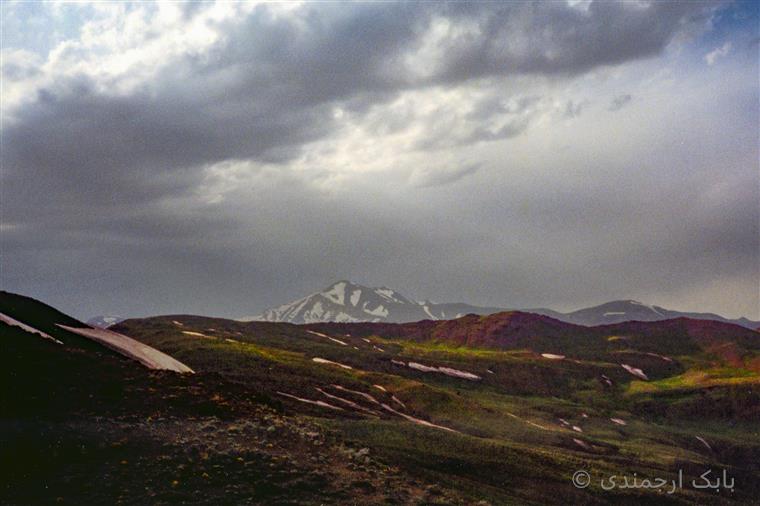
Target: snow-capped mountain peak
pixel 344 301
pixel 104 321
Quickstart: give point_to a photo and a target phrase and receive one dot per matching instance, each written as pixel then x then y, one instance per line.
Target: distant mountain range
pixel 630 310
pixel 349 302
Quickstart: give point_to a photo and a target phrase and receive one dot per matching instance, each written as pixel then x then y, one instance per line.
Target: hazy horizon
pixel 252 314
pixel 225 158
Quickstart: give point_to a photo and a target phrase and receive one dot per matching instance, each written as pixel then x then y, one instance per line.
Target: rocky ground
pixel 264 459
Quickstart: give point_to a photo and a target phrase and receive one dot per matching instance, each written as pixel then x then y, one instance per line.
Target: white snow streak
pixel 330 362
pixel 23 326
pixel 366 396
pixel 448 371
pixel 309 401
pixel 635 371
pixel 328 337
pixel 417 420
pixel 702 440
pixel 197 334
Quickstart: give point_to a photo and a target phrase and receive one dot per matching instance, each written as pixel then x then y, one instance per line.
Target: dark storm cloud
pixel 269 88
pixel 553 38
pixel 106 192
pixel 73 141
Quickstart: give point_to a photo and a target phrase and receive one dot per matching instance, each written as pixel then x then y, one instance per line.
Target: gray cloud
pixel 574 109
pixel 270 87
pixel 490 119
pixel 620 101
pixel 19 65
pixel 427 177
pixel 110 197
pixel 554 38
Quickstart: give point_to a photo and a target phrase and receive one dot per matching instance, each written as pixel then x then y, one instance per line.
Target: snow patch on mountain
pixel 26 328
pixel 449 371
pixel 378 311
pixel 342 343
pixel 330 362
pixel 652 308
pixel 387 293
pixel 104 321
pixel 635 371
pixel 337 293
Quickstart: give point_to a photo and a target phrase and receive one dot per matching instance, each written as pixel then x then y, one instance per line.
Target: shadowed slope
pixel 36 318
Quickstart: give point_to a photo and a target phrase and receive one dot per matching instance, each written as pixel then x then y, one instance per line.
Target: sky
pixel 223 158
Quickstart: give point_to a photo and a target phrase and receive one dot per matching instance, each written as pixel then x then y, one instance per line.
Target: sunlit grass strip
pixel 697 379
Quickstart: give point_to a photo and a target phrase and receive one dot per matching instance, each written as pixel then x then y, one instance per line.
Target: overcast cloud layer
pixel 224 158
